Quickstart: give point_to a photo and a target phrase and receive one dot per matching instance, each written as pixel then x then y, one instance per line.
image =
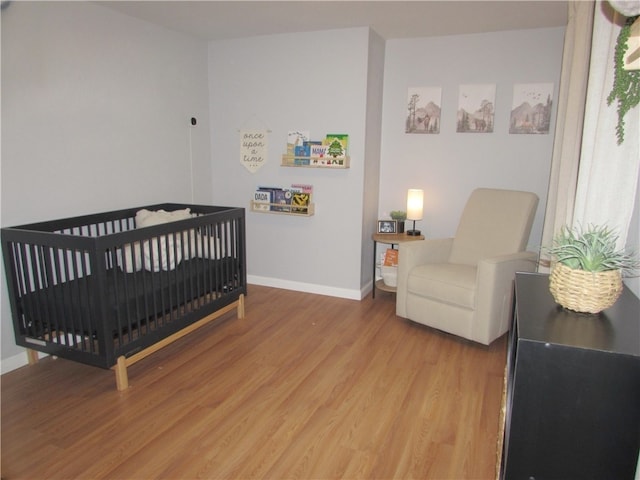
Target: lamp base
pixel 413 233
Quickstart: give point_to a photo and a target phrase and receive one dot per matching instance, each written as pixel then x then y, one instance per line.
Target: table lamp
pixel 414 208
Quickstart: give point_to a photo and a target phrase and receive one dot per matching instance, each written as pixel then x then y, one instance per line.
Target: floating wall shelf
pixel 280 209
pixel 315 162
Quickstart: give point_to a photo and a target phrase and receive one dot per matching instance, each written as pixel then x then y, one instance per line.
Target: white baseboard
pixel 308 287
pixel 16 361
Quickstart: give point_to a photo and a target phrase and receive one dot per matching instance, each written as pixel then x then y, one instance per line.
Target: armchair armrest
pixel 416 253
pixel 495 291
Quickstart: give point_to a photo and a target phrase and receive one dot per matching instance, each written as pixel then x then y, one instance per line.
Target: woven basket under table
pixel 582 291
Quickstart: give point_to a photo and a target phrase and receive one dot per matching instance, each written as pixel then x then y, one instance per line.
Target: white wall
pixel 449 165
pixel 254 83
pixel 96 110
pixel 95 117
pixel 309 81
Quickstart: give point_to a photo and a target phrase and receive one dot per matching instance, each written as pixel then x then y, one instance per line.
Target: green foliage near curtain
pixel 626 83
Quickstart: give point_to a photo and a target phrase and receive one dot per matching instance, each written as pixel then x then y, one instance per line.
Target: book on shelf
pixel 281 200
pixel 274 195
pixel 303 150
pixel 391 258
pixel 337 147
pixel 296 138
pixel 262 200
pixel 317 149
pixel 300 202
pixel 302 187
pixel 301 197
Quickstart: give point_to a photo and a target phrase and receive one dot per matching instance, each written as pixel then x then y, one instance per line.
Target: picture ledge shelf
pixel 305 211
pixel 314 162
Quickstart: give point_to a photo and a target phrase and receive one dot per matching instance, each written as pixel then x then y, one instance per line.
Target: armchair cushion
pixel 446 282
pixel 493 224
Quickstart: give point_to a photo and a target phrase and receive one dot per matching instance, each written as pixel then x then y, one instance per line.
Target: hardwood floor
pixel 305 386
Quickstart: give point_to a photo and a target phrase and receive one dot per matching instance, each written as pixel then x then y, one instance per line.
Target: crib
pixel 109 289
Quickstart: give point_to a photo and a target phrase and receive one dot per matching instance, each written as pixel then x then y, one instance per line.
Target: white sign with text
pixel 253 148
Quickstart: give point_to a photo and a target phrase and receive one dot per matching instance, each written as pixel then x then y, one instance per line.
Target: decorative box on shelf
pixel 315 162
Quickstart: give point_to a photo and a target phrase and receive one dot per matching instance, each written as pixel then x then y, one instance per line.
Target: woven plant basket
pixel 582 291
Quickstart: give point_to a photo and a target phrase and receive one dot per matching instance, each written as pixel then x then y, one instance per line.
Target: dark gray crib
pixel 97 290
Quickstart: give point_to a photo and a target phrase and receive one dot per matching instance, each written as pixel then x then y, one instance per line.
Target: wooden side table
pixel 392 239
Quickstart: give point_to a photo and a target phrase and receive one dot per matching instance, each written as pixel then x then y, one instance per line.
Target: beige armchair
pixel 463 285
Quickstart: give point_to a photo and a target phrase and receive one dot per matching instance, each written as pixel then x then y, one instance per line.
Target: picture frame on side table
pixel 387 226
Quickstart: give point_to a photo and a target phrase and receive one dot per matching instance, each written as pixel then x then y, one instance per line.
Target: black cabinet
pixel 573 388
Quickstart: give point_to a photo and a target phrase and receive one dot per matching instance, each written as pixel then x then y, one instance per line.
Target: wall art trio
pixel 530 109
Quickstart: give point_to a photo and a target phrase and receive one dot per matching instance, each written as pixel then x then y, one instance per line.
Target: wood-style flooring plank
pixel 305 386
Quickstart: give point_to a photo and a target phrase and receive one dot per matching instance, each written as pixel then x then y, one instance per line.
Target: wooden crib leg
pixel 241 306
pixel 122 379
pixel 32 356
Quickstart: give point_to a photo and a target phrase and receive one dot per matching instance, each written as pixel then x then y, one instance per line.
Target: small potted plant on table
pixel 399 216
pixel 587 274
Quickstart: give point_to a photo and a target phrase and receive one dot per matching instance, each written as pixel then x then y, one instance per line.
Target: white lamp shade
pixel 415 199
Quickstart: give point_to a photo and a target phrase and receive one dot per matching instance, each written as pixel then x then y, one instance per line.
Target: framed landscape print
pixel 531 108
pixel 476 108
pixel 423 110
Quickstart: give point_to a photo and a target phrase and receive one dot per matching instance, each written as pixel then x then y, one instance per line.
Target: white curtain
pixel 568 132
pixel 608 173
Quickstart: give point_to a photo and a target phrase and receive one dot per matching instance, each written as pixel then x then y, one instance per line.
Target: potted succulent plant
pixel 399 216
pixel 586 275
